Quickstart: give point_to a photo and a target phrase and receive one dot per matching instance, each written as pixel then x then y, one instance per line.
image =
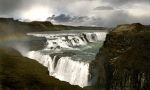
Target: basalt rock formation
pixel 123 62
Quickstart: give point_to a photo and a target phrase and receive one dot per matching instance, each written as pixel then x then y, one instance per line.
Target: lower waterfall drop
pixel 72 71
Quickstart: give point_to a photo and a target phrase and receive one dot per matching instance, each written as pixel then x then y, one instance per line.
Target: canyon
pixel 116 59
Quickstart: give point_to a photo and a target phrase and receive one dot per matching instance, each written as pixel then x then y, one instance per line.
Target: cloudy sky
pixel 78 12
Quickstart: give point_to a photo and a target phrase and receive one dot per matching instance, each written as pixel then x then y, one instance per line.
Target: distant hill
pixel 14 28
pixel 7 23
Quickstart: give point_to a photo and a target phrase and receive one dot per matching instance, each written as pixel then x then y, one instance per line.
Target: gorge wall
pixel 124 59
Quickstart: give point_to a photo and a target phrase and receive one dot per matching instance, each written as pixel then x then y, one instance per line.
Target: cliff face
pixel 124 59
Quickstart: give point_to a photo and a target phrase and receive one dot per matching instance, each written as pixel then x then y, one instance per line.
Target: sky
pixel 106 13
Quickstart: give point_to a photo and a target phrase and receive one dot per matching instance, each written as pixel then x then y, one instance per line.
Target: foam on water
pixel 68 55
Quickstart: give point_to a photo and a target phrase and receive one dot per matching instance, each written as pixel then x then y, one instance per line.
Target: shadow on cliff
pixel 125 58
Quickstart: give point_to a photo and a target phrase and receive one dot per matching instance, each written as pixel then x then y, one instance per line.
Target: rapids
pixel 67 55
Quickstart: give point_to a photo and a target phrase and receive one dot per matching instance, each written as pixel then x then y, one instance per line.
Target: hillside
pixel 124 59
pixel 9 25
pixel 19 73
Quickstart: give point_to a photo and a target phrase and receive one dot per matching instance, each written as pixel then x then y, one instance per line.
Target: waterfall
pixel 66 69
pixel 68 55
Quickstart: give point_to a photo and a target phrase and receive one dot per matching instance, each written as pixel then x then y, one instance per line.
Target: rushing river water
pixel 67 54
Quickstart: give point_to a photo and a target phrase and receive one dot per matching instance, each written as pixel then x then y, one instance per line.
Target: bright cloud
pixel 139 10
pixel 39 13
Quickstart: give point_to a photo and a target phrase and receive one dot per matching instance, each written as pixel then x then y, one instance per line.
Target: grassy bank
pixel 18 72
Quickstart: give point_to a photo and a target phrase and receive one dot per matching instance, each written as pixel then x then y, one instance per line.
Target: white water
pixel 72 66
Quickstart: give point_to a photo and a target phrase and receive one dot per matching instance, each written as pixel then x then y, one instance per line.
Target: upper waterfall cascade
pixel 68 55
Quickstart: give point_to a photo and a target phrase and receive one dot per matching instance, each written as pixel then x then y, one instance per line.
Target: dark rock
pixel 124 59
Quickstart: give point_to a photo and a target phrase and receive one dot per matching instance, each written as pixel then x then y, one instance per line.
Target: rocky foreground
pixel 124 60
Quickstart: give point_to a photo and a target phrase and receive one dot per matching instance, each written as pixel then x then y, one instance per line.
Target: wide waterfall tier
pixel 68 55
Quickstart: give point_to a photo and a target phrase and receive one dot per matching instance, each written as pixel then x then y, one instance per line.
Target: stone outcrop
pixel 123 61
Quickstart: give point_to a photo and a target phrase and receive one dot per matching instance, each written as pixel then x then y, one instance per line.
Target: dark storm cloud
pixel 61 18
pixel 82 12
pixel 117 18
pixel 9 6
pixel 14 8
pixel 112 20
pixel 104 8
pixel 124 2
pixel 67 18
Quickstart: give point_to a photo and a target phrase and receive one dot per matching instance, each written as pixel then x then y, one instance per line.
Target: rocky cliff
pixel 123 61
